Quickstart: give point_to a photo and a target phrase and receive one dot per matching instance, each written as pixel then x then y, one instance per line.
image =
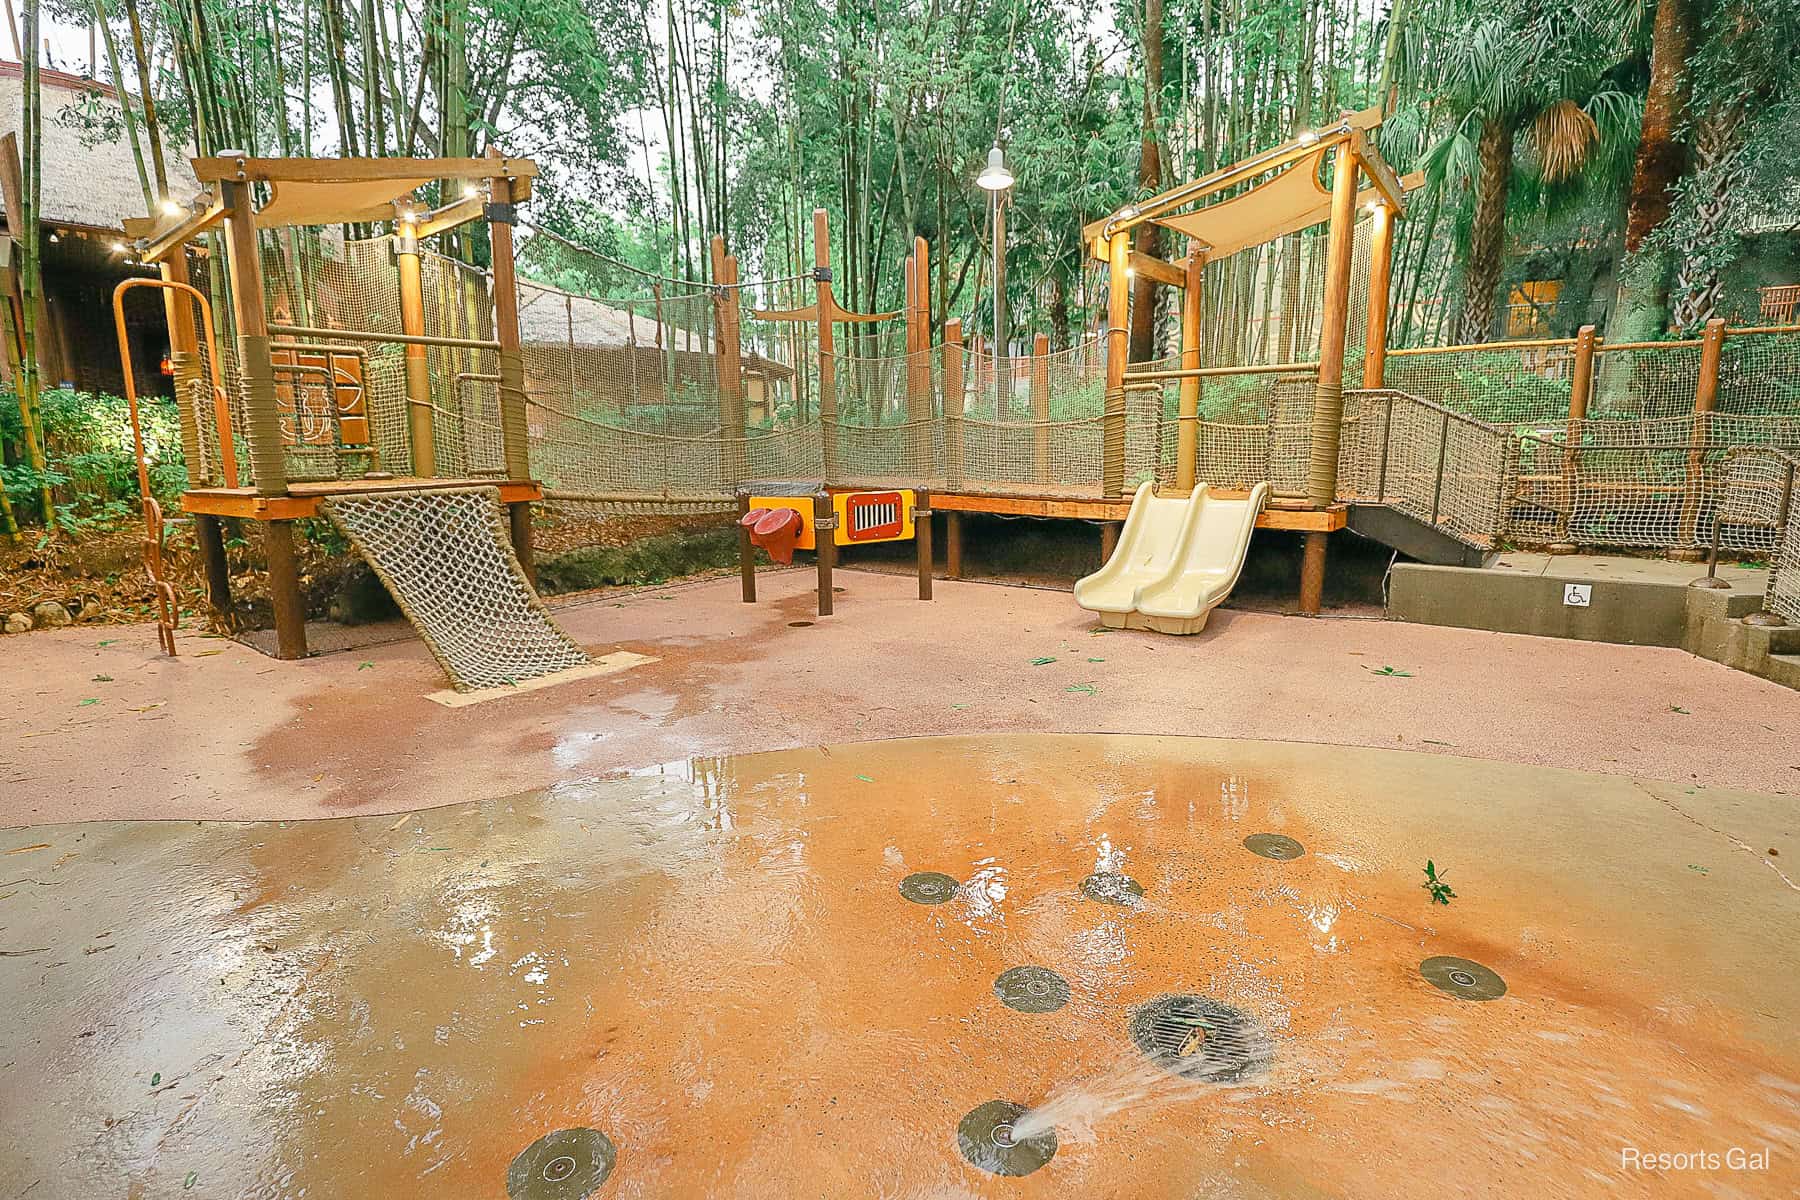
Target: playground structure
pixel 459 569
pixel 391 356
pixel 781 516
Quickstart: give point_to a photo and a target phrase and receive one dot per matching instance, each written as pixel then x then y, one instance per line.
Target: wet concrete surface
pixel 711 964
pixel 98 726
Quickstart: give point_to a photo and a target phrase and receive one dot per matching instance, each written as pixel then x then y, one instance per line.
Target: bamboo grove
pixel 1543 129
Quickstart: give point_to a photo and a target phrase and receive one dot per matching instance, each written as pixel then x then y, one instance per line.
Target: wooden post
pixel 1312 574
pixel 184 357
pixel 827 362
pixel 1328 393
pixel 1109 539
pixel 1187 432
pixel 218 569
pixel 1581 390
pixel 514 431
pixel 918 361
pixel 730 364
pixel 1381 271
pixel 746 550
pixel 825 546
pixel 953 411
pixel 284 589
pixel 1706 400
pixel 1118 343
pixel 922 536
pixel 262 427
pixel 953 545
pixel 419 428
pixel 1040 408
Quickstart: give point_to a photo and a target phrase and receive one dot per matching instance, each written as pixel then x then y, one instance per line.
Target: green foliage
pixel 649 560
pixel 90 463
pixel 1441 892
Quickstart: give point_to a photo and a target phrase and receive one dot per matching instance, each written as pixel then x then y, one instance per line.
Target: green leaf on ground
pixel 1676 708
pixel 155 1078
pixel 1083 689
pixel 1043 660
pixel 109 641
pixel 1392 672
pixel 187 1184
pixel 959 707
pixel 1441 892
pixel 103 679
pixel 866 778
pixel 1699 868
pixel 1096 660
pixel 365 666
pixel 88 701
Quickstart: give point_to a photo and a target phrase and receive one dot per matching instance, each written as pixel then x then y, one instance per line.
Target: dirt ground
pixel 96 725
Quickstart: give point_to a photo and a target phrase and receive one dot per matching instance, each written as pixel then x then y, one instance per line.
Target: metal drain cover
pixel 985 1139
pixel 566 1165
pixel 1463 979
pixel 929 887
pixel 1197 1037
pixel 1273 845
pixel 1032 989
pixel 1110 888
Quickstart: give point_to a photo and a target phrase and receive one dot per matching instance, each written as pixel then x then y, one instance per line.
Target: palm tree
pixel 1640 308
pixel 1524 67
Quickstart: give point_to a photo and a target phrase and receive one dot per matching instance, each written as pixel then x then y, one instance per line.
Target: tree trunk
pixel 1143 291
pixel 1641 303
pixel 1699 279
pixel 1487 232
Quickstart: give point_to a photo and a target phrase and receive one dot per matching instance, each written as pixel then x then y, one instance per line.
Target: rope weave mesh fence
pixel 625 412
pixel 446 558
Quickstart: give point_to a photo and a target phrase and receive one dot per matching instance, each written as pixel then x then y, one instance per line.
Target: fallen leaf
pixel 103 679
pixel 28 849
pixel 206 653
pixel 865 779
pixel 1043 660
pixel 88 701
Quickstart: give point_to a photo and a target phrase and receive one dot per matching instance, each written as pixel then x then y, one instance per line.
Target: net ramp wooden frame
pixel 318 191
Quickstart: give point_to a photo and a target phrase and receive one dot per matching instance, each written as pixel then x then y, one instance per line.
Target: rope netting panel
pixel 446 558
pixel 1648 383
pixel 1437 466
pixel 1526 385
pixel 1761 494
pixel 1251 427
pixel 1640 484
pixel 1264 304
pixel 1759 374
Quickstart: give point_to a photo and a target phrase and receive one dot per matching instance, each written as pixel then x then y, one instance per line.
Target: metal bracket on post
pixel 821 274
pixel 826 524
pixel 500 213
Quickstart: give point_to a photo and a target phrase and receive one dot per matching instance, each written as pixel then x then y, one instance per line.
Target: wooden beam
pixel 359 170
pixel 1151 267
pixel 1378 171
pixel 304 500
pixel 1304 520
pixel 451 215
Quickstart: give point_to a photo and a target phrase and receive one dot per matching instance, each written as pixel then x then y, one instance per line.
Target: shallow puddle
pixel 723 978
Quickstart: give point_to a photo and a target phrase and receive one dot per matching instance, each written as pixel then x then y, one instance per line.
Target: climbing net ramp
pixel 445 556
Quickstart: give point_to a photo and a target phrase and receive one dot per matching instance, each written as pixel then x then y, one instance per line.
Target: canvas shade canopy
pixel 1294 198
pixel 326 191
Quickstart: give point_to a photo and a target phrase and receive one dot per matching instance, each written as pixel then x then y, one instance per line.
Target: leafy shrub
pixel 91 464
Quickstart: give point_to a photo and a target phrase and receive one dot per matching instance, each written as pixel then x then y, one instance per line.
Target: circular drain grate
pixel 1273 845
pixel 986 1139
pixel 929 887
pixel 566 1165
pixel 1032 989
pixel 1196 1037
pixel 1463 979
pixel 1110 888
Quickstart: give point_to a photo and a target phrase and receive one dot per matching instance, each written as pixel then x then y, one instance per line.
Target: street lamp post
pixel 998 180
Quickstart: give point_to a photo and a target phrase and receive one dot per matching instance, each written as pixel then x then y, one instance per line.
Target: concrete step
pixel 1785 669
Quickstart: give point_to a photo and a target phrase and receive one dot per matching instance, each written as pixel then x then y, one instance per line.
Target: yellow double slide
pixel 1177 559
